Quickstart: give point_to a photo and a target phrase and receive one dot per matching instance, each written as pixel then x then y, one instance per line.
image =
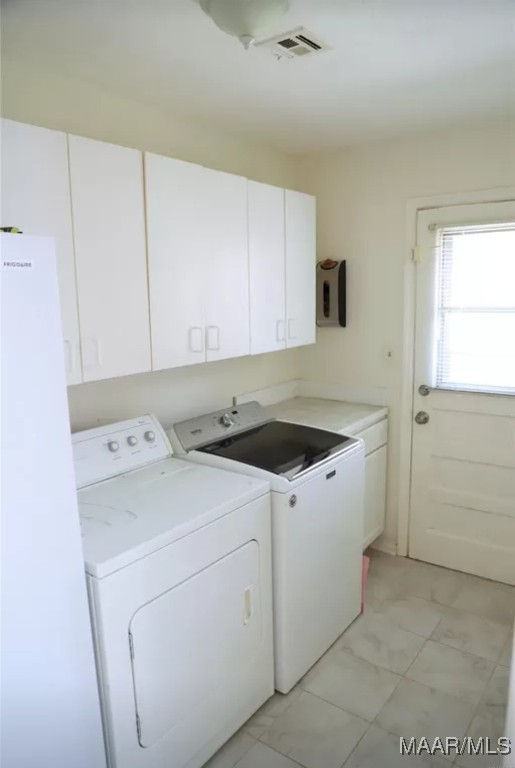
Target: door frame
pixel 413 207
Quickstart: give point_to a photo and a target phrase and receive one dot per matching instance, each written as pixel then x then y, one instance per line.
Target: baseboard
pixel 370 539
pixel 388 547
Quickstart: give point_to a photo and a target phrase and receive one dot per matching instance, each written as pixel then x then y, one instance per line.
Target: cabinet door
pixel 110 254
pixel 375 495
pixel 36 199
pixel 177 209
pixel 300 217
pixel 266 268
pixel 226 275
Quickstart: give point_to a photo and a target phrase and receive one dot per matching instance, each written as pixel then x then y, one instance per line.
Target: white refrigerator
pixel 50 715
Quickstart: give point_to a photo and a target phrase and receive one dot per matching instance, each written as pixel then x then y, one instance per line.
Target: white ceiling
pixel 397 66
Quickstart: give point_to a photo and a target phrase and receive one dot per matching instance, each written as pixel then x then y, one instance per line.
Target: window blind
pixel 475 322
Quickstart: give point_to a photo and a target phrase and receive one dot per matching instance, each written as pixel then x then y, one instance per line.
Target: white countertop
pixel 334 415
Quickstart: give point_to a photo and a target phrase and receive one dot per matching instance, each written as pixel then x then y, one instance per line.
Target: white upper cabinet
pixel 230 268
pixel 110 255
pixel 177 241
pixel 226 267
pixel 267 268
pixel 198 262
pixel 36 199
pixel 300 243
pixel 282 251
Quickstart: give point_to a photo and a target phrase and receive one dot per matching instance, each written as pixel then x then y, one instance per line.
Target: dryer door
pixel 190 644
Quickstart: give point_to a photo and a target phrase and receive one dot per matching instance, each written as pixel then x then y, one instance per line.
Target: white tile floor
pixel 429 657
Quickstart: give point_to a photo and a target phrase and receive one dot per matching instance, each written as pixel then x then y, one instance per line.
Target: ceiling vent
pixel 297 43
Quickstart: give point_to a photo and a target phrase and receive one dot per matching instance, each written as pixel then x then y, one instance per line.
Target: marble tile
pixel 378 640
pixel 378 589
pixel 379 749
pixel 382 564
pixel 489 721
pixel 507 651
pixel 488 599
pixel 454 672
pixel 431 582
pixel 315 733
pixel 374 593
pixel 412 613
pixel 416 710
pixel 394 577
pixel 385 577
pixel 261 756
pixel 232 751
pixel 496 692
pixel 471 633
pixel 351 683
pixel 272 709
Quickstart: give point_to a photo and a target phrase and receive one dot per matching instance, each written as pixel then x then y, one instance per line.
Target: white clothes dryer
pixel 178 562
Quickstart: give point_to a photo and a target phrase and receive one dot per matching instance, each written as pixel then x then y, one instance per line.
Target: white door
pixel 300 222
pixel 463 463
pixel 177 206
pixel 226 267
pixel 267 268
pixel 110 253
pixel 36 199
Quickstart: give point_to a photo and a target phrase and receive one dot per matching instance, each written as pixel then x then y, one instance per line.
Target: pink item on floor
pixel 364 573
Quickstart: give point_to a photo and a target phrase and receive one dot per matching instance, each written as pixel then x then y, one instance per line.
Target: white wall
pixel 87 110
pixel 177 394
pixel 362 194
pixel 84 109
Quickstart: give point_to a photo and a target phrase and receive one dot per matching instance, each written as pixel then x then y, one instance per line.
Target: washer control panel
pixel 104 452
pixel 202 430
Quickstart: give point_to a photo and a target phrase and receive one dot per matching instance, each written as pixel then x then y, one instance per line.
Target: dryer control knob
pixel 113 446
pixel 132 440
pixel 149 436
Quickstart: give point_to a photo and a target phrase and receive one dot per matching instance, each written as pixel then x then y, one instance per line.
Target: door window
pixel 475 317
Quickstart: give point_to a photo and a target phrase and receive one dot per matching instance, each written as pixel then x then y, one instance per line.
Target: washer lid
pixel 282 448
pixel 131 516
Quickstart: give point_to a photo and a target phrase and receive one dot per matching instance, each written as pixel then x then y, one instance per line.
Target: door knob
pixel 424 390
pixel 422 417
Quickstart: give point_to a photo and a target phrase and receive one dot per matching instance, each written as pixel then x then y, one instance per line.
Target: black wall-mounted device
pixel 331 293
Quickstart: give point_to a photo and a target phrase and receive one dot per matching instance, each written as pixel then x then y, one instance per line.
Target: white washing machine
pixel 178 564
pixel 316 477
